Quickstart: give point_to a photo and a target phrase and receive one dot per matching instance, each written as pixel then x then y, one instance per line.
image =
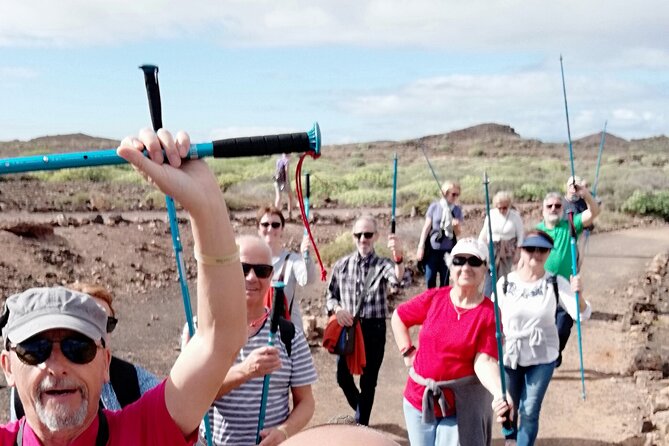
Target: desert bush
pixel 93 174
pixel 364 198
pixel 655 203
pixel 531 192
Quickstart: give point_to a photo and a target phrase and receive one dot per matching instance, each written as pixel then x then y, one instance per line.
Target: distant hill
pixel 491 139
pixel 77 142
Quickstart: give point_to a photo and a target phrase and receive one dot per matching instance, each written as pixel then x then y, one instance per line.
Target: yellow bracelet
pixel 283 430
pixel 216 260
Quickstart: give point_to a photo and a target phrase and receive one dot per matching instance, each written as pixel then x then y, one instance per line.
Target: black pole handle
pixel 307 177
pixel 392 226
pixel 262 145
pixel 153 94
pixel 277 307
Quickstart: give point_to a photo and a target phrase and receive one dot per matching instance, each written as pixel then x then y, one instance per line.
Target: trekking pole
pixel 434 175
pixel 306 207
pixel 599 161
pixel 277 311
pixel 574 265
pixel 507 427
pixel 394 202
pixel 155 109
pixel 309 142
pixel 594 185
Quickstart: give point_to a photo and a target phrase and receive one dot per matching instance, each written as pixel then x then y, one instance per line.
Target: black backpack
pixel 123 379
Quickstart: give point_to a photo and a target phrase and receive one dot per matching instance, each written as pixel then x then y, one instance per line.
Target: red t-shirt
pixel 145 422
pixel 447 345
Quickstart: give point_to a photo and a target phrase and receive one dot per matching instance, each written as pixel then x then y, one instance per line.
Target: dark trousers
pixel 564 323
pixel 435 264
pixel 374 336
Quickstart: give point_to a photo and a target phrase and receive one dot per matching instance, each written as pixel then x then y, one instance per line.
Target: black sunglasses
pixel 79 349
pixel 532 249
pixel 472 261
pixel 274 224
pixel 554 206
pixel 261 271
pixel 111 323
pixel 367 235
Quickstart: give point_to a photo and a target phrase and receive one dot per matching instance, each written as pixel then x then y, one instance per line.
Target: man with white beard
pixel 55 338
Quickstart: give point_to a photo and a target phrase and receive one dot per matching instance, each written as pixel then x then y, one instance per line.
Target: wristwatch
pixel 408 351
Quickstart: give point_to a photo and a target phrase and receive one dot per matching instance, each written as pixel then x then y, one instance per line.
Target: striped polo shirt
pixel 234 416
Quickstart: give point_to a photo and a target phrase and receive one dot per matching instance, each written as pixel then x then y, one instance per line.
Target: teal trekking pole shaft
pixel 574 265
pixel 155 108
pixel 277 311
pixel 599 161
pixel 507 427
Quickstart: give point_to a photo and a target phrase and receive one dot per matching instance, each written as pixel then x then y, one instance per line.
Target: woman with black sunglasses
pixel 528 303
pixel 292 268
pixel 455 359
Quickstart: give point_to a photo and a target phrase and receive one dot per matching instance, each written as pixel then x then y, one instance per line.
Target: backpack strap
pixel 100 440
pixel 552 279
pixel 124 381
pixel 287 332
pixel 280 279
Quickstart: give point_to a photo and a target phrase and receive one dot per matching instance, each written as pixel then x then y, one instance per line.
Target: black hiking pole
pixel 155 108
pixel 574 265
pixel 277 311
pixel 307 197
pixel 507 426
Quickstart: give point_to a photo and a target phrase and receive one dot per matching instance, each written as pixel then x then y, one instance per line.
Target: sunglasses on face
pixel 78 349
pixel 454 194
pixel 368 235
pixel 261 271
pixel 111 323
pixel 267 224
pixel 554 206
pixel 532 249
pixel 471 261
pixel 502 208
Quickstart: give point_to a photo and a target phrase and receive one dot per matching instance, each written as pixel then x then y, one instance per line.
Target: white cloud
pixel 531 101
pixel 12 74
pixel 491 25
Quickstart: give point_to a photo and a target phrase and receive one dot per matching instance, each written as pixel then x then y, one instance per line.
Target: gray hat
pixel 40 309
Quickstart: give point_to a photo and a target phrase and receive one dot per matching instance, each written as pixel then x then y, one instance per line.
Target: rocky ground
pixel 625 345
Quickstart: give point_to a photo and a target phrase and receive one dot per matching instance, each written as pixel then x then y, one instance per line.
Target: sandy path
pixel 610 413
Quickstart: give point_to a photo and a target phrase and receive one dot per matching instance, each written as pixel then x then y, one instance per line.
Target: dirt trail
pixel 611 412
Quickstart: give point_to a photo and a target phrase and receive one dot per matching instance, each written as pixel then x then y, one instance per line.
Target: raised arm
pixel 191 386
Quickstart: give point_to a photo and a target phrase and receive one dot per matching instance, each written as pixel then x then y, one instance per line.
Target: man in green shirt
pixel 559 260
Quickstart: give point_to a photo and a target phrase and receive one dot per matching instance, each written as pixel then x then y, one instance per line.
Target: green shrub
pixel 655 203
pixel 531 192
pixel 339 247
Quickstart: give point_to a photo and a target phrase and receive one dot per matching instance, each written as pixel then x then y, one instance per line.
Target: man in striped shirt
pixel 234 415
pixel 349 283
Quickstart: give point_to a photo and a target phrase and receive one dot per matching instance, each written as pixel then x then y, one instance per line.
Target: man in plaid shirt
pixel 346 288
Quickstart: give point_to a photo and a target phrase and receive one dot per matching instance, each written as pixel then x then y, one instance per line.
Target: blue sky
pixel 365 70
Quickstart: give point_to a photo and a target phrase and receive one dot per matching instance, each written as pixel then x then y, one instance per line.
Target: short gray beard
pixel 60 418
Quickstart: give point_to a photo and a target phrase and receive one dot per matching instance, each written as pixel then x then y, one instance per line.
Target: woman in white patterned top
pixel 290 267
pixel 528 304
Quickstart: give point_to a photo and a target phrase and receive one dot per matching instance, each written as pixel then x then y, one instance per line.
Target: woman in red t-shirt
pixel 457 342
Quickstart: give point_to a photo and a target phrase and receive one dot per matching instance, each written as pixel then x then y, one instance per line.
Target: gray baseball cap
pixel 40 309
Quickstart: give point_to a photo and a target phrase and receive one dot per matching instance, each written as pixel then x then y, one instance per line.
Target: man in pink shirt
pixel 55 339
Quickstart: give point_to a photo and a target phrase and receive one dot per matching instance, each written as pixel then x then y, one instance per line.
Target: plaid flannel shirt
pixel 348 280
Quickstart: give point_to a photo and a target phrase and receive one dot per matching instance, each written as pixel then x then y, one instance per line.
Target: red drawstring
pixel 303 214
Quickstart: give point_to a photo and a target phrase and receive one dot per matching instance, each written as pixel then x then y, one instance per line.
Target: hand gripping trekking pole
pixel 574 265
pixel 277 311
pixel 155 109
pixel 507 427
